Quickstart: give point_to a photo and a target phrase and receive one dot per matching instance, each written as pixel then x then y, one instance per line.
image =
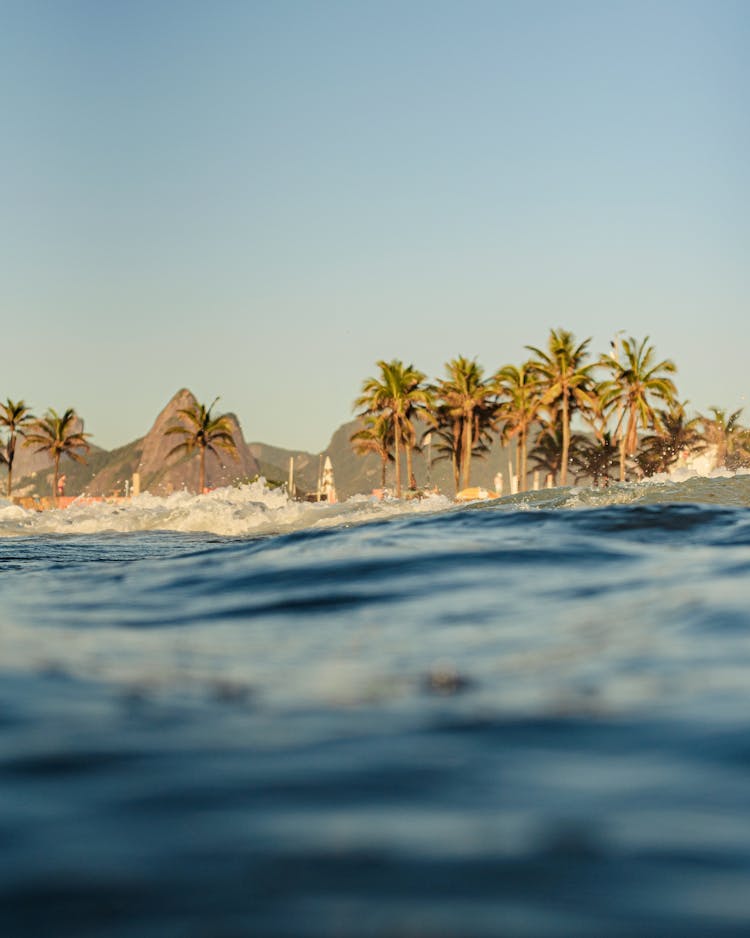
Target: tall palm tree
pixel 726 434
pixel 636 381
pixel 205 433
pixel 58 435
pixel 468 399
pixel 564 378
pixel 375 437
pixel 518 389
pixel 14 416
pixel 398 394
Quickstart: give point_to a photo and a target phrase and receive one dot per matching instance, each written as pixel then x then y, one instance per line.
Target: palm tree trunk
pixel 11 455
pixel 412 482
pixel 629 441
pixel 55 478
pixel 626 444
pixel 456 454
pixel 565 438
pixel 202 476
pixel 467 441
pixel 522 460
pixel 397 441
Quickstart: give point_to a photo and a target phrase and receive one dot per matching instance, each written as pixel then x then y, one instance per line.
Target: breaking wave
pixel 256 509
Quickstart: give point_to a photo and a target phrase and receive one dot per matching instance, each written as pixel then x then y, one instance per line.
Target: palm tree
pixel 636 380
pixel 728 436
pixel 375 437
pixel 58 435
pixel 518 389
pixel 398 395
pixel 468 401
pixel 14 416
pixel 675 435
pixel 563 377
pixel 205 433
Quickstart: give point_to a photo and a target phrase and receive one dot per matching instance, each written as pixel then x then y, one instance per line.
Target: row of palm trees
pixel 61 435
pixel 56 434
pixel 615 397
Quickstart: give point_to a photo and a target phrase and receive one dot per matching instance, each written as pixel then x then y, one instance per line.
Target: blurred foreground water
pixel 239 715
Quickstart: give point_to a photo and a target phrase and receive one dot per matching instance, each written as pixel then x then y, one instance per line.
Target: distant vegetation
pixel 57 435
pixel 15 417
pixel 630 421
pixel 570 414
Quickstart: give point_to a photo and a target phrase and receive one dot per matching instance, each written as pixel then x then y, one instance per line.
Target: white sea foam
pixel 233 512
pixel 256 509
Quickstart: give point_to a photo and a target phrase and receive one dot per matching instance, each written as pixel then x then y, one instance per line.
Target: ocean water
pixel 238 715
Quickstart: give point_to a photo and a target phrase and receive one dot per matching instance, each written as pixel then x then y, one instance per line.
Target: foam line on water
pixel 244 511
pixel 256 509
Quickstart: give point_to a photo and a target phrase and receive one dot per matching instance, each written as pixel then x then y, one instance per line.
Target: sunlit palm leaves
pixel 467 410
pixel 202 433
pixel 729 438
pixel 58 435
pixel 565 378
pixel 15 416
pixel 398 394
pixel 520 401
pixel 636 382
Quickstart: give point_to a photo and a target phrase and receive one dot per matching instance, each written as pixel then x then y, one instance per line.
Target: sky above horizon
pixel 260 200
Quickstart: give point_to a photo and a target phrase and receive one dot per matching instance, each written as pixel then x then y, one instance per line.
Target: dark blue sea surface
pixel 527 717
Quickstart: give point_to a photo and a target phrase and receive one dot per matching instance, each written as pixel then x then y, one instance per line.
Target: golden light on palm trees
pixel 729 438
pixel 375 437
pixel 58 435
pixel 518 389
pixel 467 399
pixel 15 416
pixel 636 381
pixel 202 433
pixel 398 394
pixel 587 411
pixel 564 379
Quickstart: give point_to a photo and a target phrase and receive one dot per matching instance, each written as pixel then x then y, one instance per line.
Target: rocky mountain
pixel 161 473
pixel 107 473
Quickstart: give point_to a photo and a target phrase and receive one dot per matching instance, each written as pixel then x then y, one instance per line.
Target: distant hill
pixel 161 473
pixel 273 462
pixel 111 477
pixel 361 474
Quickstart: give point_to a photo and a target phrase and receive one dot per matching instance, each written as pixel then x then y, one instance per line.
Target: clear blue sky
pixel 259 199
